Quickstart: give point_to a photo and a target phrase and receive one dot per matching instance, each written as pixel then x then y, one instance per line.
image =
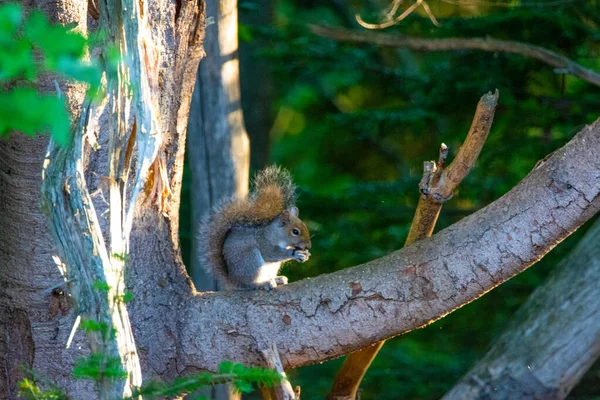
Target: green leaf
pixel 54 40
pixel 127 297
pixel 16 60
pixel 99 366
pixel 29 390
pixel 36 113
pixel 89 325
pixel 76 69
pixel 11 16
pixel 101 286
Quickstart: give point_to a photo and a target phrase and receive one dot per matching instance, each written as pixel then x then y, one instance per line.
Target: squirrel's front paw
pixel 281 280
pixel 301 255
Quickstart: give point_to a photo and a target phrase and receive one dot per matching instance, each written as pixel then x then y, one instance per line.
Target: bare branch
pixel 562 63
pixel 284 391
pixel 435 180
pixel 453 175
pixel 325 317
pixel 430 15
pixel 438 185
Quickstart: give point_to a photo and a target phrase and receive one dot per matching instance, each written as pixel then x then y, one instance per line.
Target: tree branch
pixel 436 187
pixel 450 44
pixel 552 339
pixel 325 317
pixel 439 185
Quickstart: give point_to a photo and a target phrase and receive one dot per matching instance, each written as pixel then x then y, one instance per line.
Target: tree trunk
pixel 35 320
pixel 552 339
pixel 161 45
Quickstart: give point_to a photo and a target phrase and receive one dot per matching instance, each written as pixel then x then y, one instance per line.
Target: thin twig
pixel 393 21
pixel 470 3
pixel 562 63
pixel 394 8
pixel 430 15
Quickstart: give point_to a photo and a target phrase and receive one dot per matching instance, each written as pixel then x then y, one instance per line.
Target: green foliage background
pixel 355 122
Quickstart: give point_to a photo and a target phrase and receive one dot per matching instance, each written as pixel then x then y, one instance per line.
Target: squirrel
pixel 244 242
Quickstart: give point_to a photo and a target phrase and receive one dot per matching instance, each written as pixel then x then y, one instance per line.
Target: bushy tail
pixel 272 192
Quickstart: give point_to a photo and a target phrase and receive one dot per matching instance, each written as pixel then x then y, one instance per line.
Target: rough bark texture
pixel 551 341
pixel 325 317
pixel 157 276
pixel 33 332
pixel 127 150
pixel 171 47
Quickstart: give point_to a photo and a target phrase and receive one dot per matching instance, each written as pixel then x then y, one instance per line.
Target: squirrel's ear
pixel 294 211
pixel 284 218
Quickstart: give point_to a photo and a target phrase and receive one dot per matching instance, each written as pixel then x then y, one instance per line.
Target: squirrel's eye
pixel 295 231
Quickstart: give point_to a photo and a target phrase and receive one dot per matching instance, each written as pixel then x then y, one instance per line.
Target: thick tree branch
pixel 325 317
pixel 486 44
pixel 551 341
pixel 436 187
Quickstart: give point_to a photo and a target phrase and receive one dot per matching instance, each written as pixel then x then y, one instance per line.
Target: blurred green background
pixel 354 123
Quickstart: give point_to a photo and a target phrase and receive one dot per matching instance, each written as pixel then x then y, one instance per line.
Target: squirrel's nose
pixel 303 246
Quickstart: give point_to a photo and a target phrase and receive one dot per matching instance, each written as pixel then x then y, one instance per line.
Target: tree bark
pixel 123 171
pixel 552 339
pixel 33 329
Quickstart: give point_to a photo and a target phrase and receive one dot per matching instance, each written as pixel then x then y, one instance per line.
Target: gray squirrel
pixel 245 241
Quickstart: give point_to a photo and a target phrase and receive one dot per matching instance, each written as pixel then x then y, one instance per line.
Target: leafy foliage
pixel 89 325
pixel 30 47
pixel 241 377
pixel 99 366
pixel 30 391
